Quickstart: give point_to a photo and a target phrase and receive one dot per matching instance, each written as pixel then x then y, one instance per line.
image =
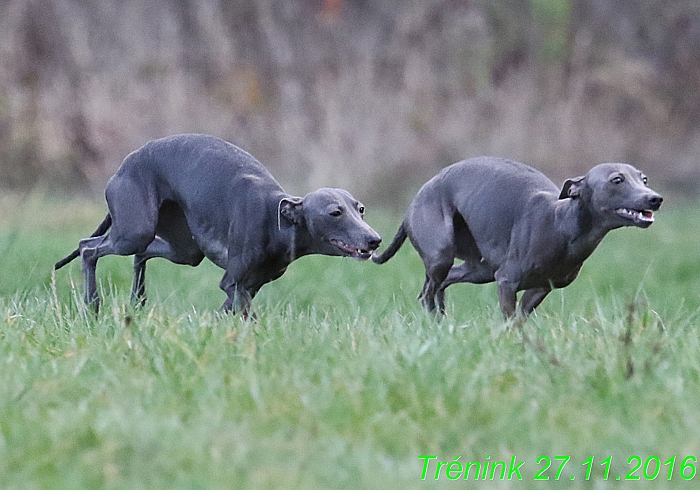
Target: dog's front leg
pixel 242 301
pixel 138 288
pixel 531 299
pixel 238 298
pixel 507 296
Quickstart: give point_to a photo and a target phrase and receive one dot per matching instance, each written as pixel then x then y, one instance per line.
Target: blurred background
pixel 371 95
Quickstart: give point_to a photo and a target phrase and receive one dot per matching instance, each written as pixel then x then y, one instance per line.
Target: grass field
pixel 344 382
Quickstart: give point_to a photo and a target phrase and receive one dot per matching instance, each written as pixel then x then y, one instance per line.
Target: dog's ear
pixel 290 208
pixel 572 188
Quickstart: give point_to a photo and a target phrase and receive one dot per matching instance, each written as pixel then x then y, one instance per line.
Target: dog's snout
pixel 655 201
pixel 373 242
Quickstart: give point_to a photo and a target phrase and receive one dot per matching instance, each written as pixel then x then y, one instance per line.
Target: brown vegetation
pixel 370 95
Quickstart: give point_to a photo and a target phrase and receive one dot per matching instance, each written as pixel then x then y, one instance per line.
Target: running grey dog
pixel 511 224
pixel 192 196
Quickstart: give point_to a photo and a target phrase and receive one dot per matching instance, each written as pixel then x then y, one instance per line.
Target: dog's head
pixel 617 193
pixel 335 221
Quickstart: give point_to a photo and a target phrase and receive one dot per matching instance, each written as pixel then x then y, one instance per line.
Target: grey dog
pixel 510 224
pixel 192 196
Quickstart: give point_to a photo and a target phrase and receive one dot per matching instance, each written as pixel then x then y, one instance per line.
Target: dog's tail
pixel 101 230
pixel 393 247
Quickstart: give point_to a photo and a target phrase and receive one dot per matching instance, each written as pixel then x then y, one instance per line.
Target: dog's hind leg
pixel 469 271
pixel 435 274
pixel 88 255
pixel 435 245
pixel 437 251
pixel 134 219
pixel 159 248
pixel 173 241
pixel 474 272
pixel 91 249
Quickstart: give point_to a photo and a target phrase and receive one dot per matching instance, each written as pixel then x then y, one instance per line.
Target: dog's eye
pixel 644 179
pixel 361 209
pixel 337 212
pixel 618 180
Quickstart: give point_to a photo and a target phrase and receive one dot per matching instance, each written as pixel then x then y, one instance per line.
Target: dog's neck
pixel 298 241
pixel 581 228
pixel 291 240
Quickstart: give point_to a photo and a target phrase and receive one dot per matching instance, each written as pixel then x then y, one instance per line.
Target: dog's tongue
pixel 648 214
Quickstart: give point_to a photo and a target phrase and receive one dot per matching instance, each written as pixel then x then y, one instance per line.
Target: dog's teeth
pixel 644 215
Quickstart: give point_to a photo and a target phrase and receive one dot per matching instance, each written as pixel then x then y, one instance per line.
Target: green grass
pixel 343 382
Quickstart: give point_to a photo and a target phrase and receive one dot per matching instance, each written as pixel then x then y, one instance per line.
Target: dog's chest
pixel 555 268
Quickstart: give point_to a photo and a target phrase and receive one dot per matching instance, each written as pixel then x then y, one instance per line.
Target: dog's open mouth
pixel 643 217
pixel 355 253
